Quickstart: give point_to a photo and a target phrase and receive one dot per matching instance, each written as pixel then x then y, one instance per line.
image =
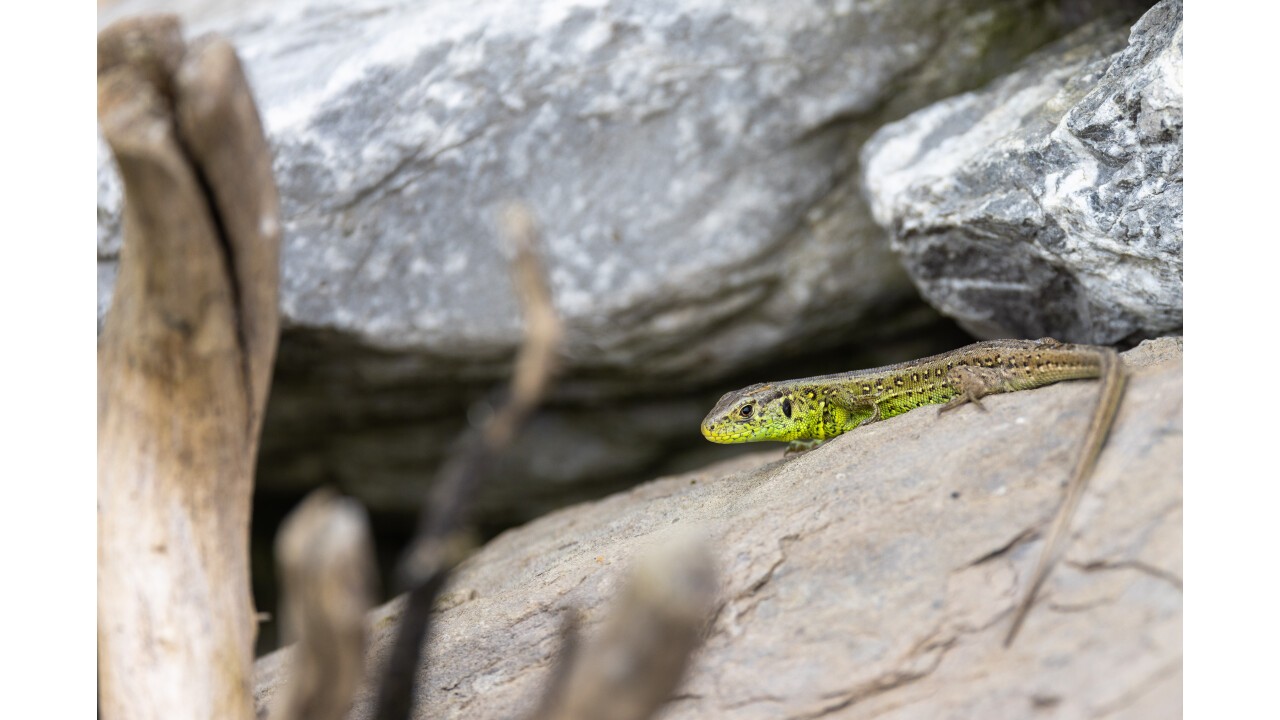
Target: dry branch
pixel 328 576
pixel 442 540
pixel 183 368
pixel 636 663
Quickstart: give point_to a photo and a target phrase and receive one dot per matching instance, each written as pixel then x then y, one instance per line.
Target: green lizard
pixel 808 411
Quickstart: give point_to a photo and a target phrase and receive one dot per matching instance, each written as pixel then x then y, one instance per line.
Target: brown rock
pixel 871 577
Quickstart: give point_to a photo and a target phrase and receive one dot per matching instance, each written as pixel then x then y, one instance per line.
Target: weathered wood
pixel 219 124
pixel 183 368
pixel 631 669
pixel 328 575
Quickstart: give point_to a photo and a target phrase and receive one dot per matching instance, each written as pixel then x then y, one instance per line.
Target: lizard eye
pixel 746 411
pixel 786 407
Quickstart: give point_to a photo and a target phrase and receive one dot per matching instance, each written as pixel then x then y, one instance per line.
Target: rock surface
pixel 679 154
pixel 871 577
pixel 1050 202
pixel 694 163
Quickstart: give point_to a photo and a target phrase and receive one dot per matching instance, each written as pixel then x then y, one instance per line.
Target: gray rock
pixel 871 577
pixel 110 204
pixel 677 152
pixel 1050 202
pixel 694 166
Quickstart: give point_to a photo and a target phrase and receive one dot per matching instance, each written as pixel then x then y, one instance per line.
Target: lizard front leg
pixel 795 447
pixel 972 384
pixel 873 417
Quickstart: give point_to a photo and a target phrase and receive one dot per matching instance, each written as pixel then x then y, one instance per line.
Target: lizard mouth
pixel 720 436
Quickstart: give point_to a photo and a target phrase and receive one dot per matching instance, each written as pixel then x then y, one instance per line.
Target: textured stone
pixel 871 577
pixel 693 163
pixel 1050 202
pixel 677 152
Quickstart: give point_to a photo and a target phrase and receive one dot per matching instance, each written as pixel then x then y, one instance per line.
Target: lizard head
pixel 758 412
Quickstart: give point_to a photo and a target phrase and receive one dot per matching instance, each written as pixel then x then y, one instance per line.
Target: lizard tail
pixel 1112 388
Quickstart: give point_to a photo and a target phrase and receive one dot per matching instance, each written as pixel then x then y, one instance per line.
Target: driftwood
pixel 184 364
pixel 641 655
pixel 328 576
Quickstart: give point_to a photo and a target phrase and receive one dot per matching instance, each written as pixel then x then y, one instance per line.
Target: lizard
pixel 809 411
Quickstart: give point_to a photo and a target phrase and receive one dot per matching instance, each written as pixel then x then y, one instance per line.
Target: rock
pixel 1050 202
pixel 678 154
pixel 694 167
pixel 871 577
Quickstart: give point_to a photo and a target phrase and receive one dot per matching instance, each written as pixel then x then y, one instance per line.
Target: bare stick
pixel 328 577
pixel 442 541
pixel 177 423
pixel 220 128
pixel 640 656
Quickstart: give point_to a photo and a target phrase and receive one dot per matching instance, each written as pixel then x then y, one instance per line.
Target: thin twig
pixel 442 541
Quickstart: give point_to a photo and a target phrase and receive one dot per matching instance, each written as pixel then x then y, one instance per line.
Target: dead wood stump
pixel 184 363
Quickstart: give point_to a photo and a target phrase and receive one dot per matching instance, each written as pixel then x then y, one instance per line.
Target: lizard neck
pixel 819 416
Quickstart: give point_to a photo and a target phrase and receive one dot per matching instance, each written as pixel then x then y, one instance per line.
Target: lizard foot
pixel 971 384
pixel 795 447
pixel 962 399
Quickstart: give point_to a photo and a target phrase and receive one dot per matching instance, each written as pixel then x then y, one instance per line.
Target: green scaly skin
pixel 814 409
pixel 823 407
